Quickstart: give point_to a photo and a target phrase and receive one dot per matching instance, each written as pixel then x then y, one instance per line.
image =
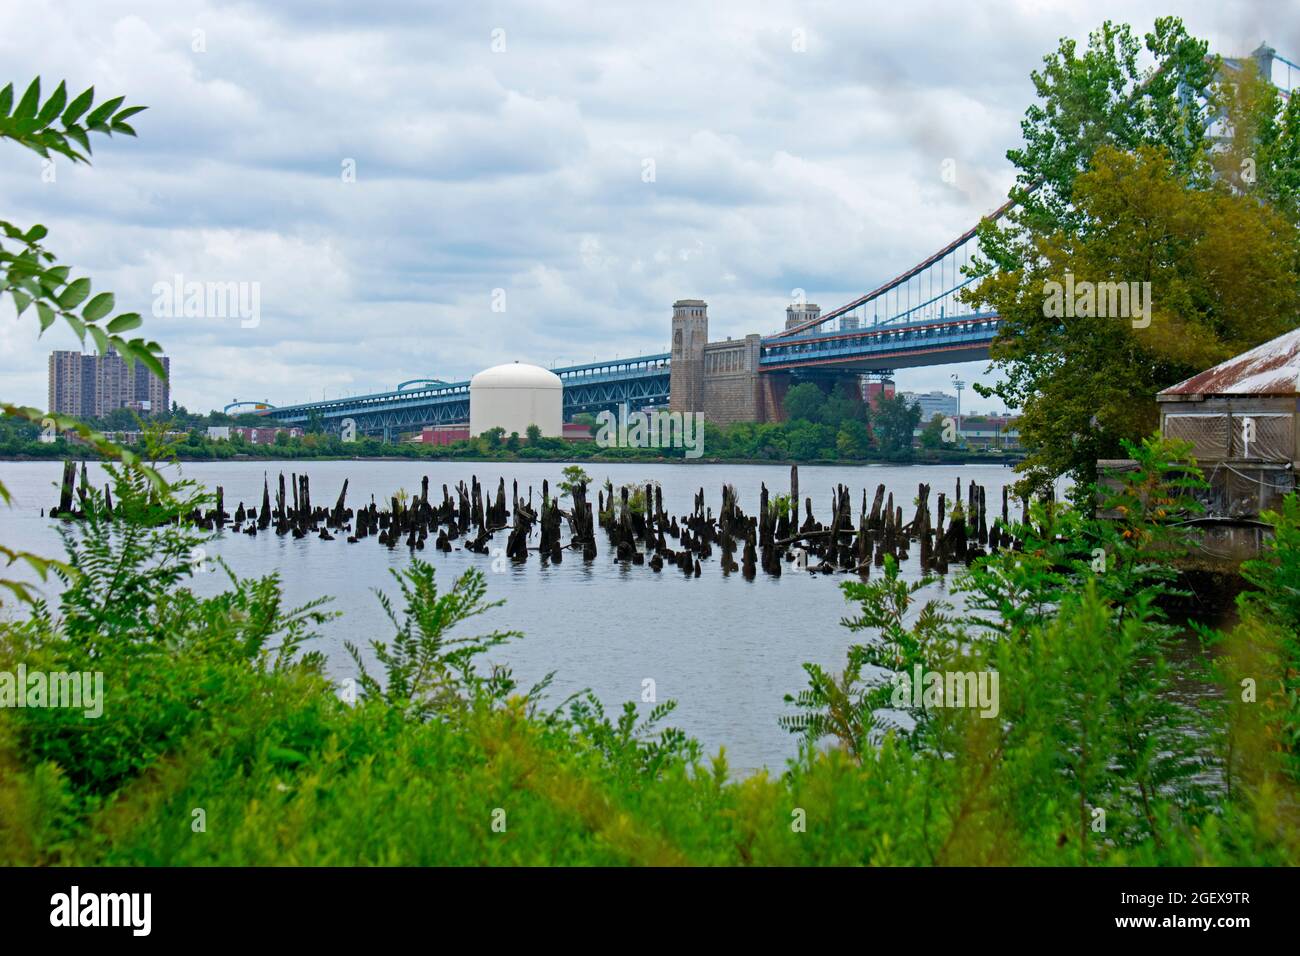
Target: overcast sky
pixel 506 147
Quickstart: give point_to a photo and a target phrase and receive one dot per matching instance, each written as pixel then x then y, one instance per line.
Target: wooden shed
pixel 1243 419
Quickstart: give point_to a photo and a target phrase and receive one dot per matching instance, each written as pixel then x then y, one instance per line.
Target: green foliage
pixel 849 707
pixel 125 612
pixel 1272 613
pixel 804 401
pixel 428 672
pixel 932 433
pixel 574 478
pixel 636 499
pixel 1093 756
pixel 1095 97
pixel 853 441
pixel 895 421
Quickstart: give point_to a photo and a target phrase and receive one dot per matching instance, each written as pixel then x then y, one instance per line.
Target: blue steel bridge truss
pixel 637 382
pixel 904 345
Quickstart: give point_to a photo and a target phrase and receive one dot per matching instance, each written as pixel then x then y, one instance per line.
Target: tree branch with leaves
pixel 32 279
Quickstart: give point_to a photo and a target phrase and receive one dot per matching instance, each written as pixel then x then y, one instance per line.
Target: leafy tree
pixel 803 402
pixel 121 419
pixel 932 433
pixel 843 404
pixel 894 422
pixel 1222 274
pixel 1095 97
pixel 808 440
pixel 769 441
pixel 1095 106
pixel 853 441
pixel 534 434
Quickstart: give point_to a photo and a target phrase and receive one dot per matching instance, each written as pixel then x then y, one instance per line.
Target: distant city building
pixel 441 435
pixel 801 313
pixel 92 386
pixel 263 435
pixel 988 431
pixel 252 434
pixel 446 434
pixel 873 392
pixel 982 432
pixel 932 403
pixel 132 437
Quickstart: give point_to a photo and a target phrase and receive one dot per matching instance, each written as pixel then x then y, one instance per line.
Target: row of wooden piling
pixel 634 521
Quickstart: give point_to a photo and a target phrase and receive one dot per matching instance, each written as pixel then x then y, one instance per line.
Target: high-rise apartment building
pixel 92 386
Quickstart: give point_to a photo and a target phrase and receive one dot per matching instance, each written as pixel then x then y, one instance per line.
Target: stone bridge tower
pixel 690 335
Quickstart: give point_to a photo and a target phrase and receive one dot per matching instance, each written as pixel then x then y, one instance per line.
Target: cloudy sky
pixel 385 173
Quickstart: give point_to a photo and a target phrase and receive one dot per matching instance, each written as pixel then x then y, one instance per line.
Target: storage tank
pixel 514 396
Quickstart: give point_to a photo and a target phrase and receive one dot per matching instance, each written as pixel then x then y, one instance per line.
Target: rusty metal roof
pixel 1269 369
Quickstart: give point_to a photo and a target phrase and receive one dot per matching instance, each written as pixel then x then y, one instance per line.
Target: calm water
pixel 725 648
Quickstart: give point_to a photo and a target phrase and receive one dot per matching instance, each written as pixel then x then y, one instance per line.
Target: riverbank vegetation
pixel 222 740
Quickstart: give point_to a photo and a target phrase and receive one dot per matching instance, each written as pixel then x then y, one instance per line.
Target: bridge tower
pixel 686 375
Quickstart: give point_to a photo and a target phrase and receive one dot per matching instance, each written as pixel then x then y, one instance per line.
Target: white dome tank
pixel 514 396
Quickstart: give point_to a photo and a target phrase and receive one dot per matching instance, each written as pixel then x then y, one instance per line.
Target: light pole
pixel 959 385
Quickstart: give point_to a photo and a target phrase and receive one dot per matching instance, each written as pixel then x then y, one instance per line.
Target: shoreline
pixel 1007 461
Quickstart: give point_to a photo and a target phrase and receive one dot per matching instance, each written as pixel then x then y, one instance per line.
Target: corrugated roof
pixel 1269 369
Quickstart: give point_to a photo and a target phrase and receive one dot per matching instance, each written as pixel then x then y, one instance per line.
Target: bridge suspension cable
pixel 938 259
